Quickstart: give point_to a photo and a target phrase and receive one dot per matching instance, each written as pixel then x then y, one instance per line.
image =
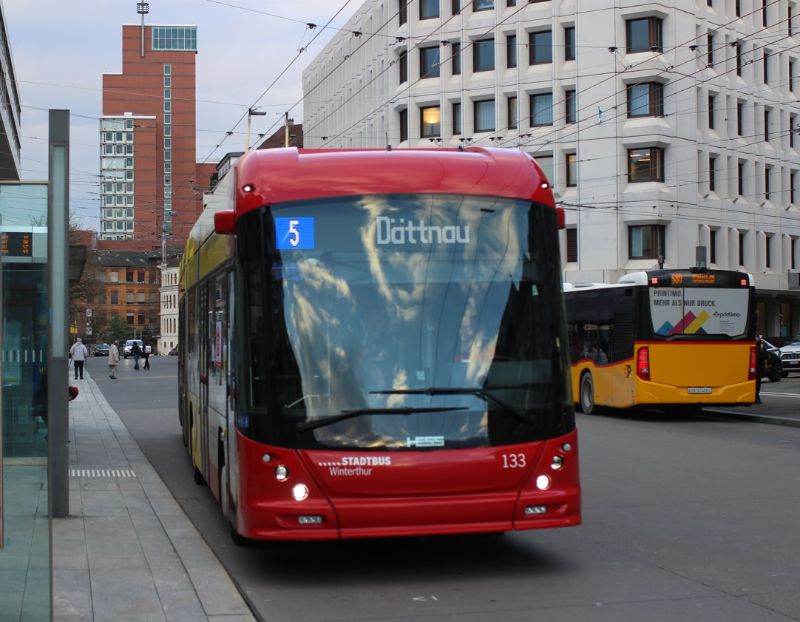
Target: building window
pixel 766 66
pixel 542 109
pixel 740 169
pixel 645 241
pixel 402 116
pixel 644 35
pixel 792 185
pixel 712 246
pixel 456 58
pixel 569 43
pixel 483 55
pixel 739 118
pixel 482 5
pixel 768 251
pixel 571 109
pixel 737 47
pixel 429 62
pixel 711 101
pixel 572 170
pixel 767 185
pixel 114 298
pixel 764 21
pixel 457 118
pixel 430 122
pixel 484 115
pixel 513 113
pixel 511 51
pixel 645 164
pixel 541 47
pixel 402 11
pixel 646 99
pixel 455 7
pixel 710 49
pixel 791 76
pixel 403 65
pixel 741 247
pixel 428 9
pixel 767 115
pixel 572 244
pixel 174 38
pixel 712 173
pixel 789 20
pixel 793 253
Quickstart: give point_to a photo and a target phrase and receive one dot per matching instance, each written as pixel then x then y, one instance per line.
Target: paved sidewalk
pixel 769 411
pixel 127 552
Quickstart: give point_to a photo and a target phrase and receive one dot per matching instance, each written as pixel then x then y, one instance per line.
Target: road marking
pixel 102 473
pixel 794 395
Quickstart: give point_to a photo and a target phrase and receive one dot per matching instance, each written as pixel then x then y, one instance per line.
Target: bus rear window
pixel 698 311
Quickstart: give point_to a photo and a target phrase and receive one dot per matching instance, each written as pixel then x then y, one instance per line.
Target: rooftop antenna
pixel 142 8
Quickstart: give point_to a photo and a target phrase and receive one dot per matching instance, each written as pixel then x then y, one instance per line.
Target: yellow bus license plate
pixel 699 390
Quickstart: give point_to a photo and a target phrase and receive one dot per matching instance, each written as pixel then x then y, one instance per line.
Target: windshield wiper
pixel 349 414
pixel 485 395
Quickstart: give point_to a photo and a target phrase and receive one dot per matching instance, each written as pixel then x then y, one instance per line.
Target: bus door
pixel 215 387
pixel 201 460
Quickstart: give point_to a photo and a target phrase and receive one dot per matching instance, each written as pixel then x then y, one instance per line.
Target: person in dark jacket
pixel 146 349
pixel 136 351
pixel 761 361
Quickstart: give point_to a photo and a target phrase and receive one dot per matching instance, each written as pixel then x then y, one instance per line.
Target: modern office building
pixel 148 138
pixel 663 127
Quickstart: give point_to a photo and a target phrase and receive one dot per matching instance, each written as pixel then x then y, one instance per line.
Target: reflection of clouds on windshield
pixel 319 276
pixel 400 382
pixel 404 267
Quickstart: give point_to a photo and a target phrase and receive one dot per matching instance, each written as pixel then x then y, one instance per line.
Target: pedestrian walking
pixel 136 351
pixel 113 360
pixel 78 354
pixel 146 350
pixel 761 360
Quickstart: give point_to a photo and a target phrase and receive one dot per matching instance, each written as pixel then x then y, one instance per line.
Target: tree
pixel 116 330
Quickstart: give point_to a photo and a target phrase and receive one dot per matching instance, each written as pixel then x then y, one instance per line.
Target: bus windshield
pixel 699 311
pixel 403 322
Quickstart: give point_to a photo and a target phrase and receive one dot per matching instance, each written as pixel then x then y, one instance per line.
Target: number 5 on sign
pixel 294 233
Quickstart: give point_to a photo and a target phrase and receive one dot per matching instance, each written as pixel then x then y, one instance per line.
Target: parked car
pixel 126 349
pixel 773 366
pixel 174 351
pixel 790 356
pixel 101 349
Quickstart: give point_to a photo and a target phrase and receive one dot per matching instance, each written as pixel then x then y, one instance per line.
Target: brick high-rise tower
pixel 149 175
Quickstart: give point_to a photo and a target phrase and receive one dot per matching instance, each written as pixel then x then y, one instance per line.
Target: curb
pixel 753 417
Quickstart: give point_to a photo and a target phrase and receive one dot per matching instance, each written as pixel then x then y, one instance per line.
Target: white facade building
pixel 169 308
pixel 663 126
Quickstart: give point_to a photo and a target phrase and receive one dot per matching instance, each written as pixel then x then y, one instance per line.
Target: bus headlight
pixel 281 473
pixel 556 463
pixel 300 492
pixel 543 482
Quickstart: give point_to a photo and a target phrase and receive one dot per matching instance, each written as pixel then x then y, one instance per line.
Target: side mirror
pixel 225 222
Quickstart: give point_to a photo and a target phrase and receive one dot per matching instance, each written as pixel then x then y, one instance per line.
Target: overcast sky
pixel 61 49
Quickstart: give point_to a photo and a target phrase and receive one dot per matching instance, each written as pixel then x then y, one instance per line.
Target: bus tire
pixel 198 477
pixel 587 394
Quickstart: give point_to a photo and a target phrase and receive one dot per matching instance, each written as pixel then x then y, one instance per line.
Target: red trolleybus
pixel 374 344
pixel 663 338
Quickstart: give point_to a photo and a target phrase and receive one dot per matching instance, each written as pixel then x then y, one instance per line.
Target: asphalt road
pixel 684 519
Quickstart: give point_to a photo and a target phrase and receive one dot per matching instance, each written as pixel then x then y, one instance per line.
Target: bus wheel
pixel 587 394
pixel 198 477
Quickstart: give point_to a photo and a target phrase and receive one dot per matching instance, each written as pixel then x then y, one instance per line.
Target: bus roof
pixel 291 174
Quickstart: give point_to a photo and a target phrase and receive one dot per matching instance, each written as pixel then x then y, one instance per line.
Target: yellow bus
pixel 663 338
